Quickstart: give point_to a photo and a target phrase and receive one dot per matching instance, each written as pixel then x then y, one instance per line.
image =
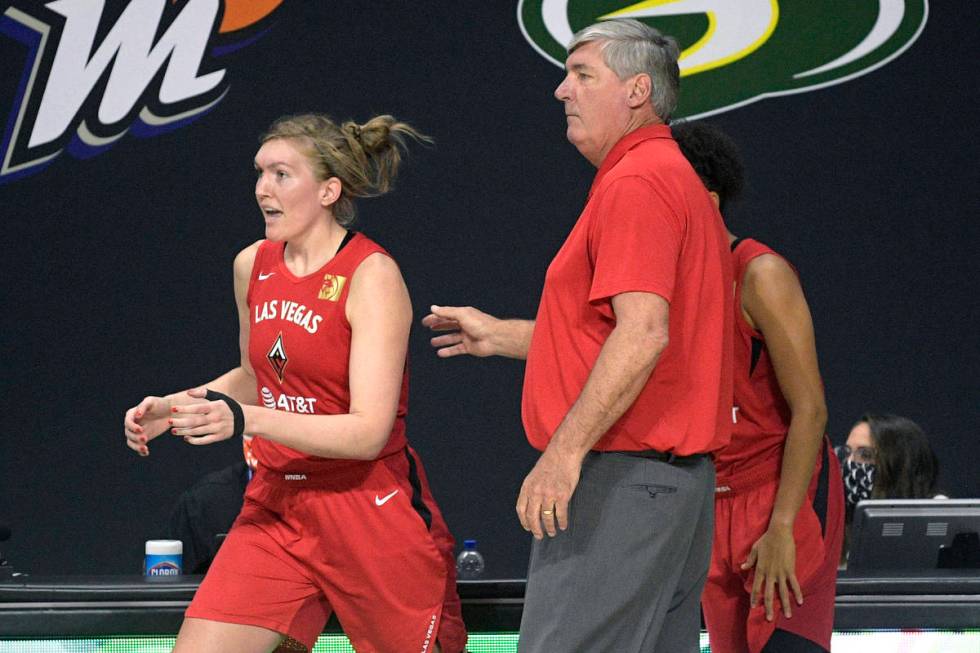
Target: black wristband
pixel 236 410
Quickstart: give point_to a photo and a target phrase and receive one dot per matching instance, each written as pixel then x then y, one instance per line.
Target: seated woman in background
pixel 886 457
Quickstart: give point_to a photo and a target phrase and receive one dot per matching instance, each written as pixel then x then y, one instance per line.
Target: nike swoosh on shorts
pixel 383 501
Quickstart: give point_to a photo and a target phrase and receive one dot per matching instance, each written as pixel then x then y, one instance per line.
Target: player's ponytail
pixel 364 157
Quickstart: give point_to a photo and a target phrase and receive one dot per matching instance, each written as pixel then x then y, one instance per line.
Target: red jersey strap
pixel 744 250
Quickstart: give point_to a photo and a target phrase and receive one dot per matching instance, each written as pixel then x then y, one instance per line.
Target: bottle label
pixel 162 565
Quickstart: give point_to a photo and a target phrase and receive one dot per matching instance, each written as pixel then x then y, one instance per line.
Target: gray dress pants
pixel 626 576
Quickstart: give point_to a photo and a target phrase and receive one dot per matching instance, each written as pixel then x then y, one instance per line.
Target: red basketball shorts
pixel 741 517
pixel 366 542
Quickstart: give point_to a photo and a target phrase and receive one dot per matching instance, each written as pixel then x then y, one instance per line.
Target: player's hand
pixel 471 331
pixel 546 492
pixel 145 421
pixel 774 557
pixel 203 422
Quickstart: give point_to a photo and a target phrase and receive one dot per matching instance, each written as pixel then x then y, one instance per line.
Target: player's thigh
pixel 206 636
pixel 383 572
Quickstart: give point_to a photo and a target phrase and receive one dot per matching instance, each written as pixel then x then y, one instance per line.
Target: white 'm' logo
pixel 152 71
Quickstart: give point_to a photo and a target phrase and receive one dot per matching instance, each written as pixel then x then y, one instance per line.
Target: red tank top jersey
pixel 299 346
pixel 761 416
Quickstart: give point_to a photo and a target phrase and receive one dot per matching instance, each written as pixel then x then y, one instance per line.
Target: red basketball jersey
pixel 299 346
pixel 761 416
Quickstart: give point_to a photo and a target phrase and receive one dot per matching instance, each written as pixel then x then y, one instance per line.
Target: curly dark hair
pixel 714 156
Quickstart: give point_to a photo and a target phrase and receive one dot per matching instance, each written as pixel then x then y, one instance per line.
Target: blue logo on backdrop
pixel 94 74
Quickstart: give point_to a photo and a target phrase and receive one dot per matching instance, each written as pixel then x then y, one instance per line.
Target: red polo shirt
pixel 648 226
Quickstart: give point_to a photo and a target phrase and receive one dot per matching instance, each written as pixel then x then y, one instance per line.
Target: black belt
pixel 662 456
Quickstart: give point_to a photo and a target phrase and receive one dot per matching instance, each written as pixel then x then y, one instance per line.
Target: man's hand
pixel 546 493
pixel 774 557
pixel 471 331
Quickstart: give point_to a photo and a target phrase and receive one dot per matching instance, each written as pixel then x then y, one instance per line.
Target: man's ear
pixel 640 88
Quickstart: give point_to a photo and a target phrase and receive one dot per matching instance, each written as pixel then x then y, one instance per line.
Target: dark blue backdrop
pixel 116 274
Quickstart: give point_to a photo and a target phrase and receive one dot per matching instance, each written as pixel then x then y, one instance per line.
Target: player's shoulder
pixel 770 277
pixel 245 259
pixel 378 265
pixel 768 262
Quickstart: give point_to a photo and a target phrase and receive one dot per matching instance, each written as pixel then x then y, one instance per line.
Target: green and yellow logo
pixel 734 52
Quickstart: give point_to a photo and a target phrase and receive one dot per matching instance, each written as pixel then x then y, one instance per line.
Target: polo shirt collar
pixel 627 143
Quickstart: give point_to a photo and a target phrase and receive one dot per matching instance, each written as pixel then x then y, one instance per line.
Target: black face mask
pixel 859 480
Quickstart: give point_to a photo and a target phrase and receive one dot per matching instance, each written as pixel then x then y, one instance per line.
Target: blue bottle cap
pixel 469 544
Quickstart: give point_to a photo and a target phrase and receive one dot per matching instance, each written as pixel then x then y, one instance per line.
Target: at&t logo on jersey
pixel 288 403
pixel 734 52
pixel 93 73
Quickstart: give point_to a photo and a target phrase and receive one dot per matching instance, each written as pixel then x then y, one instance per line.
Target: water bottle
pixel 469 564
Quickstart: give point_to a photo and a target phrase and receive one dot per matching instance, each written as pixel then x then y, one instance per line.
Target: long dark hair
pixel 906 467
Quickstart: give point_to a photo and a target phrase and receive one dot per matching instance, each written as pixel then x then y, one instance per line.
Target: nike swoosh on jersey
pixel 383 501
pixel 263 277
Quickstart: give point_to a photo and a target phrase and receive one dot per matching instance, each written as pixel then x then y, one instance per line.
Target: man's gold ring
pixel 546 512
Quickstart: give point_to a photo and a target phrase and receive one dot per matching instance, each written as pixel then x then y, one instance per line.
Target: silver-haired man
pixel 628 386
